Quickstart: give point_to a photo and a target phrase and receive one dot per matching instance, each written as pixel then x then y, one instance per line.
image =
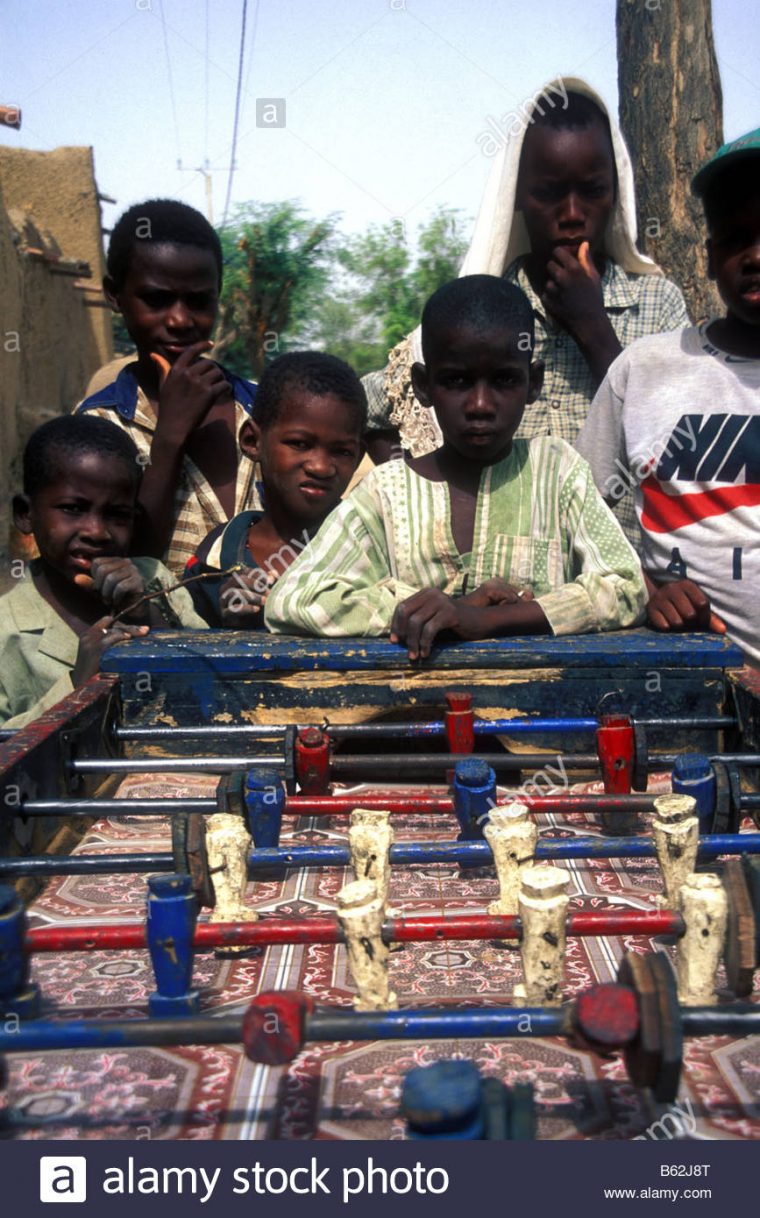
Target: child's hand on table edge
pixel 97 639
pixel 682 605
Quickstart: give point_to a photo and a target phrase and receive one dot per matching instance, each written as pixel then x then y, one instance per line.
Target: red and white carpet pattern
pixel 342 1090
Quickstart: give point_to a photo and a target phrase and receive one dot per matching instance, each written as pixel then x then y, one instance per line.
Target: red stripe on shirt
pixel 663 513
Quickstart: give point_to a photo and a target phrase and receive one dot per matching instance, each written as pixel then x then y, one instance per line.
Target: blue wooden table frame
pixel 220 676
pixel 195 677
pixel 230 653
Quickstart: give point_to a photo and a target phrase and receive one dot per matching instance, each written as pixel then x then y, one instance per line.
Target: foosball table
pixel 510 892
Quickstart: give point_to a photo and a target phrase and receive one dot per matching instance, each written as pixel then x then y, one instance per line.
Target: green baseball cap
pixel 746 147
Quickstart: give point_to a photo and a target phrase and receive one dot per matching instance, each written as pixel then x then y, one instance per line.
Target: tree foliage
pixel 276 265
pixel 390 280
pixel 292 282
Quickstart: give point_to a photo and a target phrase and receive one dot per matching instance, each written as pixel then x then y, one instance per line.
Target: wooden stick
pixel 675 829
pixel 151 596
pixel 370 838
pixel 228 844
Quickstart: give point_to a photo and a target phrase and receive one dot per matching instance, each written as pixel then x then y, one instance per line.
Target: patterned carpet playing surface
pixel 343 1090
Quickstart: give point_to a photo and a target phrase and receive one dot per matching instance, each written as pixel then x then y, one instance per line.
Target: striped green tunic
pixel 539 523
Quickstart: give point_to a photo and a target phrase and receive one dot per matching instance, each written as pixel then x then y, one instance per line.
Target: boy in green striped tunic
pixel 486 536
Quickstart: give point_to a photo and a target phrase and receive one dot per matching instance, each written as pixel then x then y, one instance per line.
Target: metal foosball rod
pixel 334 805
pixel 358 766
pixel 401 928
pixel 254 794
pixel 412 730
pixel 277 931
pixel 342 767
pixel 307 752
pixel 114 807
pixel 706 909
pixel 338 1024
pixel 479 853
pixel 639 1015
pixel 342 805
pixel 403 854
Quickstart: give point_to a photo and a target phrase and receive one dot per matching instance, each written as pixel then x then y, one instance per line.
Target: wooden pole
pixel 671 108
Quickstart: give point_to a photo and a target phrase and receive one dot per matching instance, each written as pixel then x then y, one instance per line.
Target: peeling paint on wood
pixel 227 654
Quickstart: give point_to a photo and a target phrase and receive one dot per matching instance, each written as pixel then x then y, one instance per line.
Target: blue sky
pixel 384 99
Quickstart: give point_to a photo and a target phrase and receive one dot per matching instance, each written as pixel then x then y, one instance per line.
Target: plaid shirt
pixel 197 509
pixel 636 305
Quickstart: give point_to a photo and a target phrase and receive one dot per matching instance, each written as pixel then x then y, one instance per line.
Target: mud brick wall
pixel 51 340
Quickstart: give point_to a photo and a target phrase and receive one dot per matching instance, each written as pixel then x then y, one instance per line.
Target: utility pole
pixel 206 170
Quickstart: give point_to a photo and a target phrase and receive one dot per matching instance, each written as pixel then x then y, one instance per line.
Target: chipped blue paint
pixel 219 653
pixel 425 853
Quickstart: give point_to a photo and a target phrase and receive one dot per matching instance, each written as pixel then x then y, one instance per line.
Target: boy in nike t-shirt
pixel 678 418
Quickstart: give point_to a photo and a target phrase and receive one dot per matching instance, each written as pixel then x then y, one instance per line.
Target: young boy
pixel 81 478
pixel 678 417
pixel 487 535
pixel 182 410
pixel 306 434
pixel 558 218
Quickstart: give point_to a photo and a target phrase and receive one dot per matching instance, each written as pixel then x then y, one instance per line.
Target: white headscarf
pixel 500 236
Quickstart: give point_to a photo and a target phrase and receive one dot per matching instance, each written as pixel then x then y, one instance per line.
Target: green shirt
pixel 636 305
pixel 38 650
pixel 540 523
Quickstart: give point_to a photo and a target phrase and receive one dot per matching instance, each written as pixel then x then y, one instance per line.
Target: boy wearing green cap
pixel 678 418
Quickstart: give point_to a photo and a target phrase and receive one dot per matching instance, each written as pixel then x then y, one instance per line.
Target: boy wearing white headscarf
pixel 557 219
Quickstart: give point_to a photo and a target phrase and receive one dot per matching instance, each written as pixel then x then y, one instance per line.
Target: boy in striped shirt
pixel 486 536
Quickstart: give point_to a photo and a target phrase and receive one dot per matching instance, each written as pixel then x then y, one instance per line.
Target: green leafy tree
pixel 392 280
pixel 277 264
pixel 379 264
pixel 441 247
pixel 339 328
pixel 122 343
pixel 293 282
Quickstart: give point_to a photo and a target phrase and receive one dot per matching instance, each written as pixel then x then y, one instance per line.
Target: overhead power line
pixel 206 89
pixel 254 25
pixel 238 95
pixel 170 78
